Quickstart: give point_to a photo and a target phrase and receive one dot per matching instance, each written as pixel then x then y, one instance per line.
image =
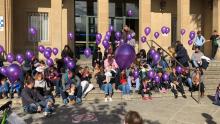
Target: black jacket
pixel 182 55
pixel 29 96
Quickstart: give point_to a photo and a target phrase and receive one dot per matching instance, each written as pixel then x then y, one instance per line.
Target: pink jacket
pixel 107 64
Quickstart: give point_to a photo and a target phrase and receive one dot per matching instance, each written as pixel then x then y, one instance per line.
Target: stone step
pixel 214 72
pixel 215 81
pixel 217 68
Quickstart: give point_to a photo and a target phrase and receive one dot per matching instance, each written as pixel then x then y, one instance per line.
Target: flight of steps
pixel 211 80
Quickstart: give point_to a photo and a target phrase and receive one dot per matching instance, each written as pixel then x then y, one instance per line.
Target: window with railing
pixel 40 21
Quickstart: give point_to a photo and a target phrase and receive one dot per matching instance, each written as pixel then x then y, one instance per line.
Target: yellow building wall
pixel 159 20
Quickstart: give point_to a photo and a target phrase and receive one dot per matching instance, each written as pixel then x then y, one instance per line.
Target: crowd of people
pixel 39 85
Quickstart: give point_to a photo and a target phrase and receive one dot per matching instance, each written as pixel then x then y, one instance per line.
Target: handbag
pixel 193 47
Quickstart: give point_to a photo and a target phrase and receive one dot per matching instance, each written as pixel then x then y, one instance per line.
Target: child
pixel 176 84
pixel 145 89
pixel 40 84
pixel 4 88
pixel 124 86
pixel 217 95
pixel 15 87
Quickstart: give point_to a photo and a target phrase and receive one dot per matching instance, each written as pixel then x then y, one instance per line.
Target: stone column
pixel 68 23
pixel 216 15
pixel 56 24
pixel 183 21
pixel 103 18
pixel 144 21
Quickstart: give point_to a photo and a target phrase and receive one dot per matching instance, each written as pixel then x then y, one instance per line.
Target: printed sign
pixel 1 23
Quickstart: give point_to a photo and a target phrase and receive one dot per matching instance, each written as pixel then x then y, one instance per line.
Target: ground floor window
pixel 39 20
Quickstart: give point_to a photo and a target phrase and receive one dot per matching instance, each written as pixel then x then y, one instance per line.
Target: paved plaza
pixel 157 111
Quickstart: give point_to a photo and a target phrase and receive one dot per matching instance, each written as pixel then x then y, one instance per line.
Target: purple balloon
pixel 29 55
pixel 55 51
pixel 147 31
pixel 118 35
pixel 143 39
pixel 107 38
pixel 125 56
pixel 157 78
pixel 87 52
pixel 156 35
pixel 98 42
pixel 70 36
pixel 1 49
pixel 152 52
pixel 165 76
pixel 190 42
pixel 182 31
pixel 47 54
pixel 179 69
pixel 10 57
pixel 163 30
pixel 106 44
pixel 20 58
pixel 98 36
pixel 49 62
pixel 151 74
pixel 108 33
pixel 111 28
pixel 156 57
pixel 32 30
pixel 49 49
pixel 3 70
pixel 67 59
pixel 41 48
pixel 71 64
pixel 130 13
pixel 129 37
pixel 167 30
pixel 136 73
pixel 122 41
pixel 13 72
pixel 192 35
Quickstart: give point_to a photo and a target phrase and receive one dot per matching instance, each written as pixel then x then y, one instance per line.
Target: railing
pixel 191 69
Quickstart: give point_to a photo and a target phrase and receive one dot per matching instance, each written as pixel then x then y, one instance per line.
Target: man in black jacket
pixel 213 39
pixel 32 101
pixel 182 54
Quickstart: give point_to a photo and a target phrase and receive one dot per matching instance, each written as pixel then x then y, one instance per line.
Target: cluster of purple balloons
pixel 155 56
pixel 70 63
pixel 165 30
pixel 13 72
pixel 153 76
pixel 192 35
pixel 47 51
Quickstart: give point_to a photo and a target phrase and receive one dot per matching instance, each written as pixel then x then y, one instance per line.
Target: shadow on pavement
pixel 209 118
pixel 212 98
pixel 94 113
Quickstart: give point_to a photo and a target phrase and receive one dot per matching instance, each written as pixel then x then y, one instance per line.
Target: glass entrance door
pixel 85 32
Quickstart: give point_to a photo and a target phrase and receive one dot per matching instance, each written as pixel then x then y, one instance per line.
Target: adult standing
pixel 199 41
pixel 125 32
pixel 67 52
pixel 213 39
pixel 181 54
pixel 97 57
